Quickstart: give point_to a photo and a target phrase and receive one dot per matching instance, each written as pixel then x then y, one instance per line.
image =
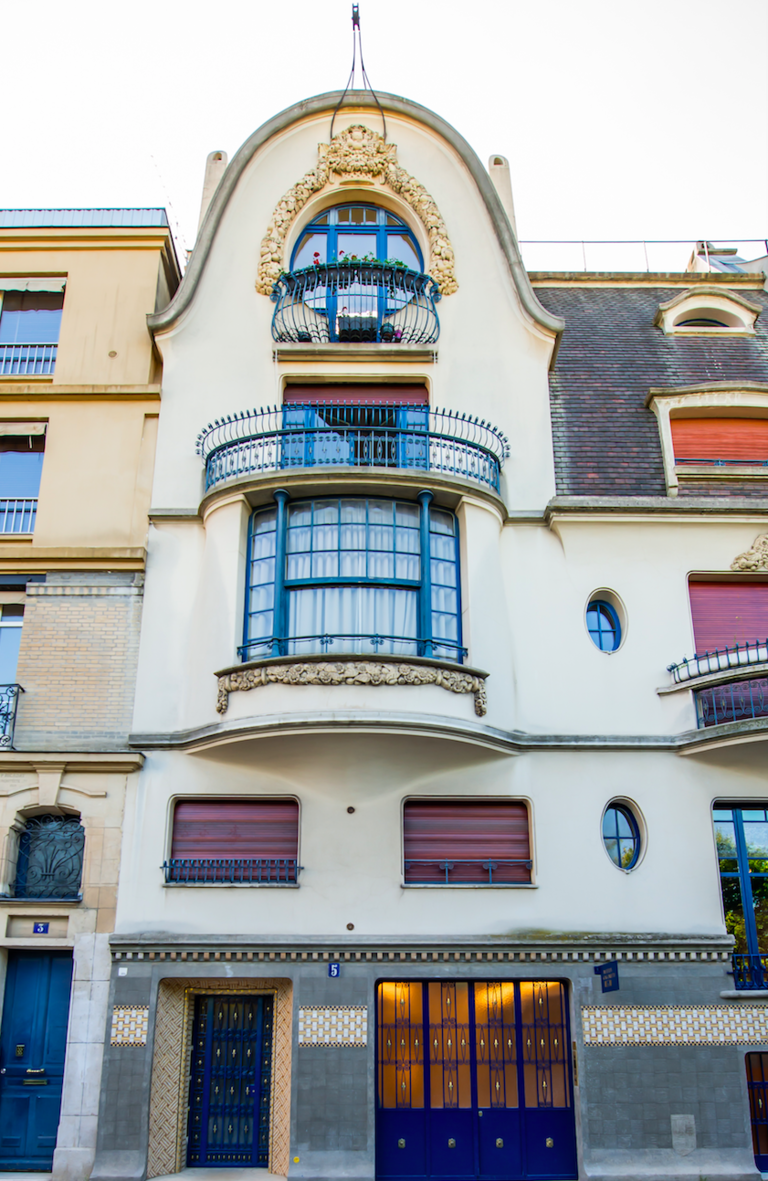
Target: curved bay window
pixel 50 861
pixel 353 575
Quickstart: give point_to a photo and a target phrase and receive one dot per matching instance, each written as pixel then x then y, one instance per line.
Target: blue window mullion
pixel 750 925
pixel 279 628
pixel 425 595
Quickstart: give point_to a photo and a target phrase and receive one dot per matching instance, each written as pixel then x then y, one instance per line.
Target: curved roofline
pixel 325 103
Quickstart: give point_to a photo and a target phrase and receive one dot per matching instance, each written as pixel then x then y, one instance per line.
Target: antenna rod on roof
pixel 357 44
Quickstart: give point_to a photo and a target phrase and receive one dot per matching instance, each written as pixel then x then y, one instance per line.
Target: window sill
pixel 709 471
pixel 354 352
pixel 35 903
pixel 469 885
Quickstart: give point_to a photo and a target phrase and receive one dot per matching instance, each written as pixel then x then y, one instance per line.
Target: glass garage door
pixel 474 1081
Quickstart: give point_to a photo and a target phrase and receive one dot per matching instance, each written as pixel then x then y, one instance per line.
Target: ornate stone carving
pixel 351 672
pixel 755 558
pixel 357 154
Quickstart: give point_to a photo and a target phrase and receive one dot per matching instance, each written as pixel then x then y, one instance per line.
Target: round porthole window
pixel 603 625
pixel 621 836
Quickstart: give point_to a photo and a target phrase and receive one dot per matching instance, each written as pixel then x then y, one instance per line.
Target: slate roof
pixel 606 442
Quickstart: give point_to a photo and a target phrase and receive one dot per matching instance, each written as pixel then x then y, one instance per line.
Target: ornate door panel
pixel 231 1081
pixel 32 1046
pixel 474 1081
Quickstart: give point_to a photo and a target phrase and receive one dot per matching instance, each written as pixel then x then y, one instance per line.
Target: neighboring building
pixel 424 756
pixel 80 394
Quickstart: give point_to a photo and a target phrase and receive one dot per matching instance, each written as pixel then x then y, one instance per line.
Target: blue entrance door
pixel 32 1044
pixel 231 1081
pixel 474 1081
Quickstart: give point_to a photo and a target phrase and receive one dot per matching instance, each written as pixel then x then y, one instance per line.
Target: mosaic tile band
pixel 334 1025
pixel 675 1025
pixel 130 1024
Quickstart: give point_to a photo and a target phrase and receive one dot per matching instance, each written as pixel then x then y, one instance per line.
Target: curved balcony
pixel 355 302
pixel 730 687
pixel 344 435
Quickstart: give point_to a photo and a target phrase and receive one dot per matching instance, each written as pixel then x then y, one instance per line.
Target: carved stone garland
pixel 755 558
pixel 352 672
pixel 357 154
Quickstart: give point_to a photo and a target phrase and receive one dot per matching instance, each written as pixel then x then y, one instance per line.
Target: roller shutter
pixel 212 829
pixel 728 613
pixel 710 439
pixel 455 841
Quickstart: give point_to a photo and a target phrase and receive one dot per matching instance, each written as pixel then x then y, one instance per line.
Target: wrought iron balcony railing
pixel 27 360
pixel 408 437
pixel 735 701
pixel 468 871
pixel 9 700
pixel 359 643
pixel 18 516
pixel 355 302
pixel 721 660
pixel 251 871
pixel 750 971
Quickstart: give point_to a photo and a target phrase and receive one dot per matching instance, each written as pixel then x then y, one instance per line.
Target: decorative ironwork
pixel 50 863
pixel 252 871
pixel 710 462
pixel 27 360
pixel 304 645
pixel 736 701
pixel 355 302
pixel 750 971
pixel 9 701
pixel 347 435
pixel 18 515
pixel 231 1081
pixel 721 660
pixel 468 869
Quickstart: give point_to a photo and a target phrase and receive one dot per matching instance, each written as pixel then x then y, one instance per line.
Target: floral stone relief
pixel 357 154
pixel 351 672
pixel 755 558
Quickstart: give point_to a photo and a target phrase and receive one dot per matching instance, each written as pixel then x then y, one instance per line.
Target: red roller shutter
pixel 728 613
pixel 209 829
pixel 358 395
pixel 709 439
pixel 467 835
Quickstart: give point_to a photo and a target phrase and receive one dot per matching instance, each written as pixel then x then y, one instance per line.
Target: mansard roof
pixel 606 439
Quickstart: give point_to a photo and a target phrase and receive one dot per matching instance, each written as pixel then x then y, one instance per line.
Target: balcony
pixel 750 972
pixel 27 360
pixel 724 696
pixel 343 435
pixel 355 302
pixel 229 871
pixel 9 700
pixel 18 516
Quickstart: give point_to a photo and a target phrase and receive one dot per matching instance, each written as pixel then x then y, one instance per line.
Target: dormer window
pixel 705 310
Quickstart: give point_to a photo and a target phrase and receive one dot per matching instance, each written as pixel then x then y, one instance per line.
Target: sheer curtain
pixel 351 615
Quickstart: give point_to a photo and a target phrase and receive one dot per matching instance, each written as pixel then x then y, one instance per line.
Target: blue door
pixel 32 1045
pixel 474 1081
pixel 231 1082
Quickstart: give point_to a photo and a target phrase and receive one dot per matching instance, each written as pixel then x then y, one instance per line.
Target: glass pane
pixel 300 514
pixel 380 512
pixel 401 1045
pixel 400 249
pixel 20 473
pixel 443 547
pixel 623 825
pixel 298 566
pixel 264 522
pixel 325 537
pixel 756 837
pixel 353 536
pixel 449 1046
pixel 262 598
pixel 444 627
pixel 326 512
pixel 299 540
pixel 407 514
pixel 443 573
pixel 311 249
pixel 30 318
pixel 352 564
pixel 544 1045
pixel 351 611
pixel 10 639
pixel 408 567
pixel 352 511
pixel 440 522
pixel 381 537
pixel 260 625
pixel 733 908
pixel 407 541
pixel 444 599
pixel 325 564
pixel 609 822
pixel 495 1045
pixel 355 246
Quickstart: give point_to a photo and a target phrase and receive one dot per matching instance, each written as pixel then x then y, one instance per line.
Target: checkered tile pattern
pixel 675 1025
pixel 129 1025
pixel 334 1025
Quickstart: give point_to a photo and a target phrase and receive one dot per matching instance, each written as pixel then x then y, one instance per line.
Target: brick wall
pixel 77 662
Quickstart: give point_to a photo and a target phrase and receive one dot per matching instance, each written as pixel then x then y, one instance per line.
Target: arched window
pixel 50 861
pixel 352 233
pixel 357 575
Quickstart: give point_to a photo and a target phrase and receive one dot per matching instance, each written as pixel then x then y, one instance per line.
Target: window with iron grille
pixel 245 842
pixel 50 859
pixel 466 842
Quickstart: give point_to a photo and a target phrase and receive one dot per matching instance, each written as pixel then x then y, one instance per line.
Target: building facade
pixel 79 400
pixel 450 696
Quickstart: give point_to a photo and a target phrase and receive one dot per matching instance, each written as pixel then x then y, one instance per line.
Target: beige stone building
pixel 79 400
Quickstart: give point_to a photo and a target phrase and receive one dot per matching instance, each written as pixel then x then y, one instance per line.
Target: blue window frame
pixel 603 625
pixel 353 575
pixel 351 233
pixel 346 434
pixel 741 834
pixel 621 836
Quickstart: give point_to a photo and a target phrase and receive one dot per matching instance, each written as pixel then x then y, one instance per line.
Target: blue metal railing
pixel 710 462
pixel 750 971
pixel 357 644
pixel 346 435
pixel 355 302
pixel 720 660
pixel 736 701
pixel 465 870
pixel 9 700
pixel 27 360
pixel 18 516
pixel 252 871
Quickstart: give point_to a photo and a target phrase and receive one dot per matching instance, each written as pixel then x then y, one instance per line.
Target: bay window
pixel 353 575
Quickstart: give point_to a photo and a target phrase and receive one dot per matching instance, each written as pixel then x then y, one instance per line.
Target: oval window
pixel 621 836
pixel 603 625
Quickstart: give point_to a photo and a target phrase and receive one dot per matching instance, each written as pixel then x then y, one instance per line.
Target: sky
pixel 620 121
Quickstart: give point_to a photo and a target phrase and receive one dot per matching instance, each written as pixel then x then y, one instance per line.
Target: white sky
pixel 620 121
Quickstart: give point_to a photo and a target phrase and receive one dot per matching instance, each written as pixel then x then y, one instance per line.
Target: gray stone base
pixel 120 1166
pixel 662 1164
pixel 72 1164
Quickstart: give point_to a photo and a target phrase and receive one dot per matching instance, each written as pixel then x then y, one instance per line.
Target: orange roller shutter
pixel 357 395
pixel 728 613
pixel 710 439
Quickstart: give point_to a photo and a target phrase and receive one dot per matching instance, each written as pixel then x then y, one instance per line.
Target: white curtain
pixel 355 611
